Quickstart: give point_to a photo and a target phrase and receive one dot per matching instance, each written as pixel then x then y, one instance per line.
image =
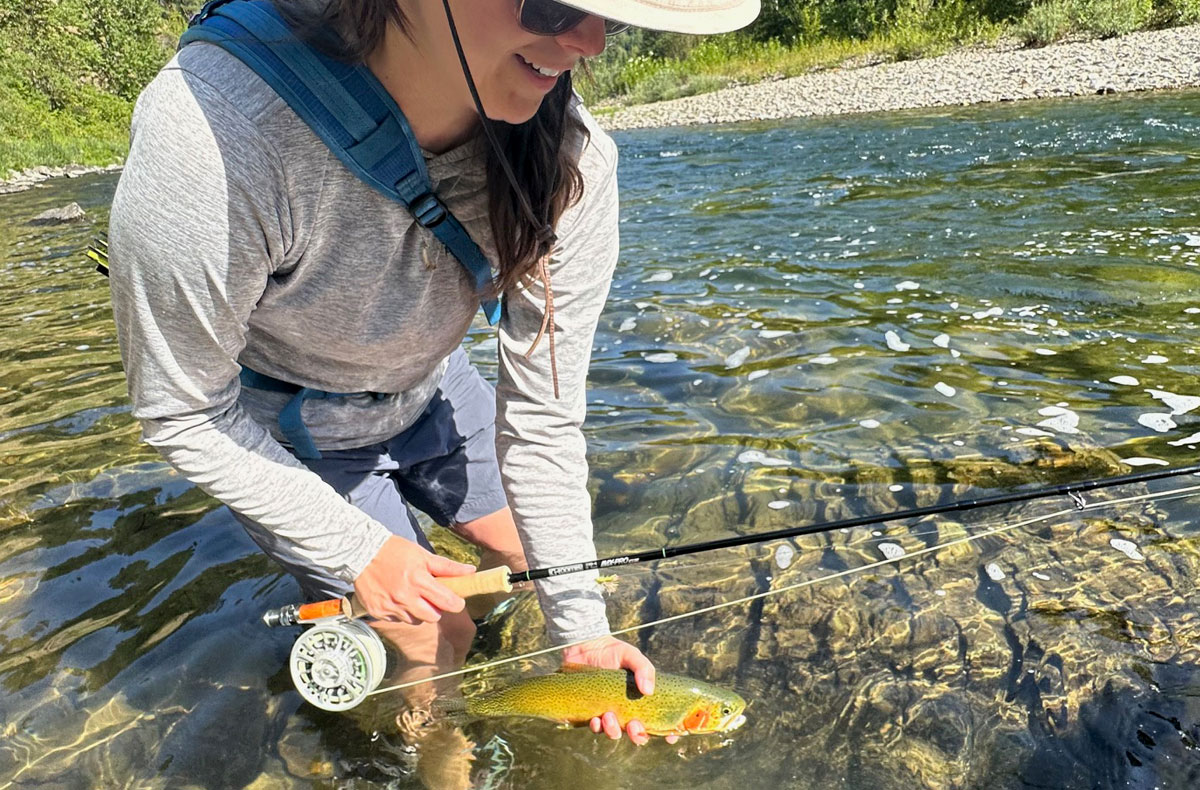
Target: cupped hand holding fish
pixel 608 652
pixel 399 584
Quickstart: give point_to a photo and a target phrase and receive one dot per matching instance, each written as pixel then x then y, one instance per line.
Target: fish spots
pixel 1127 547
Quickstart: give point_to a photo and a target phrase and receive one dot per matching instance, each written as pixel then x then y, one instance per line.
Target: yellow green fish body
pixel 678 706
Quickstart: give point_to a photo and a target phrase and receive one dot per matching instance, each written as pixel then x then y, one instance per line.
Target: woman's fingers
pixel 637 733
pixel 612 727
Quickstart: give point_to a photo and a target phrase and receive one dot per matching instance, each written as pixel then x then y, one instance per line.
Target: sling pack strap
pixel 291 421
pixel 352 113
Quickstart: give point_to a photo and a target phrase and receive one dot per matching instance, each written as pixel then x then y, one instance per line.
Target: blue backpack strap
pixel 348 108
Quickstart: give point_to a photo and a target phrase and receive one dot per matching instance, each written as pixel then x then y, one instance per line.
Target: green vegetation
pixel 71 69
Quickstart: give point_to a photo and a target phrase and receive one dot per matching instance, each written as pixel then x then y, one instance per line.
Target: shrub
pixel 1108 18
pixel 1046 22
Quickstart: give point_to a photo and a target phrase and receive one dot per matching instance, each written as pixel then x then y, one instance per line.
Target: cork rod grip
pixel 494 580
pixel 486 582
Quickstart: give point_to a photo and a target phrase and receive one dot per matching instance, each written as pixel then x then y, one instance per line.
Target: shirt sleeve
pixel 200 220
pixel 540 440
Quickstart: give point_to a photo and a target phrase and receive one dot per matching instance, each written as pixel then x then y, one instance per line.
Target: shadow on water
pixel 812 320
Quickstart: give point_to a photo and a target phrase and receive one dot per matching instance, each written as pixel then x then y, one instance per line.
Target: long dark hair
pixel 543 151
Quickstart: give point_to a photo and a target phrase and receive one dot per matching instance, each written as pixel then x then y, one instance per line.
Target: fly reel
pixel 337 662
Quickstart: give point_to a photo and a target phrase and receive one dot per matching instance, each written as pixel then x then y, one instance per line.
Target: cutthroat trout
pixel 678 706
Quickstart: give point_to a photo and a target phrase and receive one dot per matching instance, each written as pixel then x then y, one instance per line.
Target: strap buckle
pixel 205 12
pixel 428 210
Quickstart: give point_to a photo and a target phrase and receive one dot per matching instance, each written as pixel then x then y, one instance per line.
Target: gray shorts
pixel 444 464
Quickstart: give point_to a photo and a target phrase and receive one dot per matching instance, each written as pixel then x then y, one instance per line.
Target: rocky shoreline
pixel 1148 60
pixel 19 180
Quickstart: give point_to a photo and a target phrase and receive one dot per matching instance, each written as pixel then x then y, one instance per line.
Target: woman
pixel 249 262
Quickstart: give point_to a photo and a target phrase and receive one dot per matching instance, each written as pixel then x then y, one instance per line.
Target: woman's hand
pixel 608 652
pixel 399 584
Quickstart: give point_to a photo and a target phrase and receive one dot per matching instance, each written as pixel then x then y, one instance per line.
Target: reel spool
pixel 337 662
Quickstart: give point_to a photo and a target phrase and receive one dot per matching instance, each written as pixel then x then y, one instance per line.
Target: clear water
pixel 811 320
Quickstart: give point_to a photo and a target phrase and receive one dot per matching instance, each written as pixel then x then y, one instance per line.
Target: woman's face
pixel 513 68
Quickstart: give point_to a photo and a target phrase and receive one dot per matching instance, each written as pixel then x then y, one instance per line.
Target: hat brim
pixel 676 16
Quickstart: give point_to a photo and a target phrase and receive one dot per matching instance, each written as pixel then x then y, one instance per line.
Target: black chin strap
pixel 545 233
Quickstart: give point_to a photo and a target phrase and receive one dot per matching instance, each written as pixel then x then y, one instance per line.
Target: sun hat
pixel 676 16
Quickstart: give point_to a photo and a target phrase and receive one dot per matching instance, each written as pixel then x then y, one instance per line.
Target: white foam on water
pixel 894 487
pixel 1128 381
pixel 1138 460
pixel 84 347
pixel 869 423
pixel 942 593
pixel 784 555
pixel 1033 432
pixel 824 359
pixel 1154 359
pixel 737 357
pixel 859 286
pixel 1041 576
pixel 1127 547
pixel 778 504
pixel 954 352
pixel 757 374
pixel 893 551
pixel 1192 310
pixel 894 342
pixel 907 285
pixel 644 305
pixel 991 312
pixel 945 389
pixel 994 571
pixel 1193 439
pixel 1180 404
pixel 942 341
pixel 627 325
pixel 759 457
pixel 771 334
pixel 1059 420
pixel 661 357
pixel 1156 422
pixel 659 277
pixel 1045 352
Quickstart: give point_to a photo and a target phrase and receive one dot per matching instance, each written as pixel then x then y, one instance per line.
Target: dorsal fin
pixel 570 666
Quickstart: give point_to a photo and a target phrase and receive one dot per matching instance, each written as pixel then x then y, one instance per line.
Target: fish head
pixel 716 712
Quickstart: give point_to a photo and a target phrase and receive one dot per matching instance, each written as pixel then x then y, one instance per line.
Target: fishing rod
pixel 502 579
pixel 339 660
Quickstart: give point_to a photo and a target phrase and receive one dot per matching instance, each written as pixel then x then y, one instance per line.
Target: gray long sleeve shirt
pixel 238 238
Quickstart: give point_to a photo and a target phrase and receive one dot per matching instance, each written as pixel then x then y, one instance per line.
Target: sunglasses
pixel 548 18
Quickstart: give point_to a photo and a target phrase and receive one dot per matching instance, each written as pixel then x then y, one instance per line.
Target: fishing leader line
pixel 1079 506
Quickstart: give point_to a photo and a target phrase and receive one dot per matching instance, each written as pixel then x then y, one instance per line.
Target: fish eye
pixel 725 711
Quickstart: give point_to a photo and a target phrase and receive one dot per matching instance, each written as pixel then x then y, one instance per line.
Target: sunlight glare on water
pixel 811 320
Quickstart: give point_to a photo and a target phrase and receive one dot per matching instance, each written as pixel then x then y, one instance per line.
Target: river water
pixel 811 320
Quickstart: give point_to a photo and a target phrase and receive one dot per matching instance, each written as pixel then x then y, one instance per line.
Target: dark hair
pixel 543 151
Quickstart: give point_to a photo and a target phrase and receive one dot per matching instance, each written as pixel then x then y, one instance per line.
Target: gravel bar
pixel 1148 60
